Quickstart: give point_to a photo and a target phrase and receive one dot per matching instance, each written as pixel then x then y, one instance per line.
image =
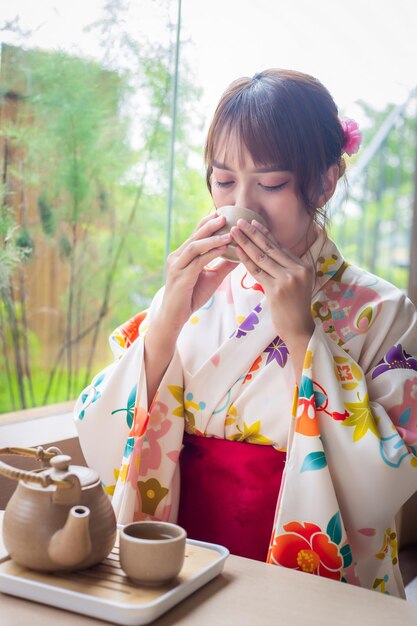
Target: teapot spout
pixel 71 545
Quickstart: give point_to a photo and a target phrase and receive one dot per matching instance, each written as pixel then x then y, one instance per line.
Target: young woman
pixel 270 405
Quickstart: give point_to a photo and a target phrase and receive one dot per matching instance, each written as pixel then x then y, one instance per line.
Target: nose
pixel 246 199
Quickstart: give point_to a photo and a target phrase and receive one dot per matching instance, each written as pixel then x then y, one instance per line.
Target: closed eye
pixel 273 187
pixel 223 184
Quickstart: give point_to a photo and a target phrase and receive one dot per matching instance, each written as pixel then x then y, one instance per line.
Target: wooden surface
pixel 248 593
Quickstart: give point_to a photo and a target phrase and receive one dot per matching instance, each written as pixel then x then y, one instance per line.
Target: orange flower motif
pixel 305 410
pixel 307 548
pixel 140 422
pixel 255 366
pixel 130 329
pixel 306 422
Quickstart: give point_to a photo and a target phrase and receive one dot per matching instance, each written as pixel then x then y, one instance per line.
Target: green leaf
pixel 306 387
pixel 130 408
pixel 98 380
pixel 319 398
pixel 314 461
pixel 129 446
pixel 334 528
pixel 347 555
pixel 129 417
pixel 360 418
pixel 132 399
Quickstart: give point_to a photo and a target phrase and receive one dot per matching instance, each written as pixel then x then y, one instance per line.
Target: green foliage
pixel 24 243
pixel 40 379
pixel 11 252
pixel 65 248
pixel 47 216
pixel 95 143
pixel 373 227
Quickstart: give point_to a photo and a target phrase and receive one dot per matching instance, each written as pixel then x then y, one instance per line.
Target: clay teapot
pixel 59 518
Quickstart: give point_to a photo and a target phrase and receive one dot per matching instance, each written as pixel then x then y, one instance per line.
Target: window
pixel 86 97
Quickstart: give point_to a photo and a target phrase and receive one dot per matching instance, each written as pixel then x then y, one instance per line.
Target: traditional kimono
pixel 349 428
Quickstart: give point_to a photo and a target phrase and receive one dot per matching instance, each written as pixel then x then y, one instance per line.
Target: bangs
pixel 248 125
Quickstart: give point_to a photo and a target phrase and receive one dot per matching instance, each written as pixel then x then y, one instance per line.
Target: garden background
pixel 85 147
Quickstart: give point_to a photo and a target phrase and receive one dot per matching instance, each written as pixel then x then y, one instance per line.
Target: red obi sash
pixel 229 492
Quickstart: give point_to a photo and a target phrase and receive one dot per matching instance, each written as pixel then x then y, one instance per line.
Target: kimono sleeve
pixel 113 419
pixel 353 457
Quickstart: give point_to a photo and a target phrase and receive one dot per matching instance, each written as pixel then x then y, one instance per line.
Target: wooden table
pixel 248 593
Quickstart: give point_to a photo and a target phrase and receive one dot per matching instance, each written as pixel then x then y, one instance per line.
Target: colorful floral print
pixel 277 351
pixel 92 395
pixel 307 548
pixel 389 547
pixel 130 407
pixel 151 492
pixel 251 434
pixel 350 430
pixel 346 310
pixel 249 322
pixel 396 358
pixel 306 419
pixel 360 418
pixel 404 415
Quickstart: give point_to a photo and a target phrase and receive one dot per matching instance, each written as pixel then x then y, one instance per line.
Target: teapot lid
pixel 60 467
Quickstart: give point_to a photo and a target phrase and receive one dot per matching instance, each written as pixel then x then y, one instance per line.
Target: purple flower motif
pixel 277 351
pixel 396 358
pixel 249 323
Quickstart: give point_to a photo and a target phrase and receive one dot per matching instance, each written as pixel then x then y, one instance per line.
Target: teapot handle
pixel 31 477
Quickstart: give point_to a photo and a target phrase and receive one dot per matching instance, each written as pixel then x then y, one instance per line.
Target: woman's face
pixel 237 180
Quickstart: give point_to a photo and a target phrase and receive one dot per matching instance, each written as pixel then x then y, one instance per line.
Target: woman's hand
pixel 189 284
pixel 287 282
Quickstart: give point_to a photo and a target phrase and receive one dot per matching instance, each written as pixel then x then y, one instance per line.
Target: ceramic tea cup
pixel 233 214
pixel 152 553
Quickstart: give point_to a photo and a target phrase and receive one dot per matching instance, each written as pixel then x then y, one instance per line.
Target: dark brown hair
pixel 283 118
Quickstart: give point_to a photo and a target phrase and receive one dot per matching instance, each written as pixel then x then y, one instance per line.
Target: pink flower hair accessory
pixel 353 136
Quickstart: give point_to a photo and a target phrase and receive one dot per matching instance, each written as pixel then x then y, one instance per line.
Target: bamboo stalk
pixel 6 361
pixel 113 265
pixel 23 298
pixel 8 299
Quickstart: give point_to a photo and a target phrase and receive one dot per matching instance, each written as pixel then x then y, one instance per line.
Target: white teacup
pixel 233 214
pixel 152 553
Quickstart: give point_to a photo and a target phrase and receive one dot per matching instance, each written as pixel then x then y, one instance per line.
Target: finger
pixel 205 219
pixel 199 247
pixel 200 262
pixel 269 246
pixel 253 268
pixel 257 253
pixel 264 230
pixel 221 266
pixel 206 227
pixel 267 234
pixel 222 270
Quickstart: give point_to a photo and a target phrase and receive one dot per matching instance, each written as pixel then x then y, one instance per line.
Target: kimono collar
pixel 325 257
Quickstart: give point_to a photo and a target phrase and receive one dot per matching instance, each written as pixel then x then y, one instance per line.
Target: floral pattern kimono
pixel 349 430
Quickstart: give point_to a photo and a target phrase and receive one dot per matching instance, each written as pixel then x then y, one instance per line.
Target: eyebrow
pixel 259 170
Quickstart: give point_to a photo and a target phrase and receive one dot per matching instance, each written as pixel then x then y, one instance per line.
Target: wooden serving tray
pixel 105 592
